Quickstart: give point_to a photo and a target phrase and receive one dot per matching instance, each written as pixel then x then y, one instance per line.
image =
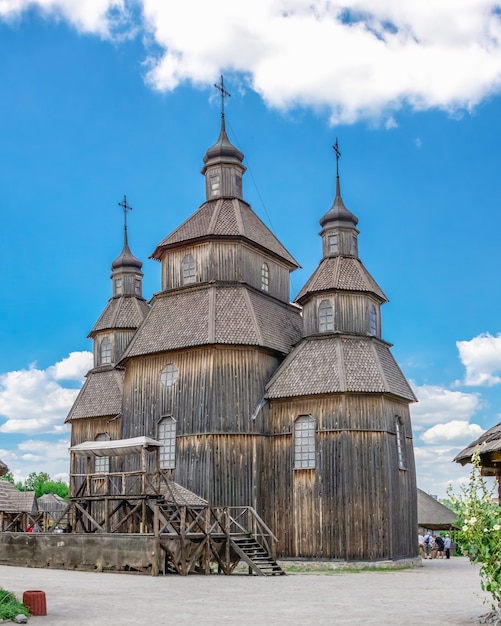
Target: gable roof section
pixel 338 364
pixel 122 312
pixel 342 274
pixel 226 217
pixel 100 396
pixel 229 314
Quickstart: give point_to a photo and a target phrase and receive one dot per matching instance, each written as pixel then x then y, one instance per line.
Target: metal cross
pixel 338 155
pixel 224 93
pixel 125 207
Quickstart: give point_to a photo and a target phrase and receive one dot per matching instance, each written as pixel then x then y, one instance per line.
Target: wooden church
pixel 298 410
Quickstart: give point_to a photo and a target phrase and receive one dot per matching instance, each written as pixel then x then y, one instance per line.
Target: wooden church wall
pixel 217 439
pixel 119 341
pixel 226 261
pixel 351 312
pixel 356 503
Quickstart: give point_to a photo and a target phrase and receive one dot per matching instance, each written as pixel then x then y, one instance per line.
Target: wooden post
pixel 155 566
pixel 143 471
pixel 87 478
pixel 182 530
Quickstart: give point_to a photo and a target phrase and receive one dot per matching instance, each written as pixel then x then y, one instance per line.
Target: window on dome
pixel 333 244
pixel 238 185
pixel 105 351
pixel 304 442
pixel 354 245
pixel 102 463
pixel 167 437
pixel 399 431
pixel 214 184
pixel 372 320
pixel 188 269
pixel 325 316
pixel 265 277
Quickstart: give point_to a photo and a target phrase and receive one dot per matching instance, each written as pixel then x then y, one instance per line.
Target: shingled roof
pixel 487 443
pixel 225 217
pixel 341 273
pixel 122 312
pixel 337 364
pixel 174 493
pixel 14 501
pixel 216 314
pixel 3 468
pixel 100 396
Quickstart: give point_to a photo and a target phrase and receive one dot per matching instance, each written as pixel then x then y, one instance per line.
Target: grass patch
pixel 10 606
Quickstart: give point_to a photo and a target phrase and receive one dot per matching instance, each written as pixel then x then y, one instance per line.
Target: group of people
pixel 434 546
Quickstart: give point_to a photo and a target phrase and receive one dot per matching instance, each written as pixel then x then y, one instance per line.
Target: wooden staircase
pixel 256 556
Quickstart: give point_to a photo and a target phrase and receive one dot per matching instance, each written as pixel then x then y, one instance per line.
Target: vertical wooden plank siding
pixel 219 445
pixel 228 261
pixel 356 503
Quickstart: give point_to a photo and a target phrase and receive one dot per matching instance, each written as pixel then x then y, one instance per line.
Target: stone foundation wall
pixel 91 552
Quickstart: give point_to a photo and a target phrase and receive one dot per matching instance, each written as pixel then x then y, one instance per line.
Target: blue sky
pixel 103 98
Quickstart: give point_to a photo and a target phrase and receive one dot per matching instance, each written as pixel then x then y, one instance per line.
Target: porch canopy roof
pixel 115 447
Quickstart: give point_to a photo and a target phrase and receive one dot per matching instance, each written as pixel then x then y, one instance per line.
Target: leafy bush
pixel 10 606
pixel 480 529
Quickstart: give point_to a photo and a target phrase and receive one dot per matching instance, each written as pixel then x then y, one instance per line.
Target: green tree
pixel 480 528
pixel 58 487
pixel 35 482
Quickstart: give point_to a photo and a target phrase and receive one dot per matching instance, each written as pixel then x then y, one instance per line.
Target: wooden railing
pixel 193 521
pixel 121 484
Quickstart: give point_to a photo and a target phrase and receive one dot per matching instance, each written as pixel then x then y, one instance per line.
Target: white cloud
pixel 32 401
pixel 482 358
pixel 455 433
pixel 436 470
pixel 353 58
pixel 38 455
pixel 438 405
pixel 102 17
pixel 73 367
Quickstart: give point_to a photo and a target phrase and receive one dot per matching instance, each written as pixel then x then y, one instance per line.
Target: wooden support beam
pixel 88 517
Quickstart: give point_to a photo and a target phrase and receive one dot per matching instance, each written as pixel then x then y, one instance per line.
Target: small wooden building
pixel 18 509
pixel 298 410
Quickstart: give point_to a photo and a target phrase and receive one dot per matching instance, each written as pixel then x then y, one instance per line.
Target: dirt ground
pixel 440 592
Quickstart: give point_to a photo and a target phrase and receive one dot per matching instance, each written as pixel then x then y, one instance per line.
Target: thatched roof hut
pixel 432 514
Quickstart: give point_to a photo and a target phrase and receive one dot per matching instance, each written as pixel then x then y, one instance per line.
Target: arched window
pixel 372 320
pixel 325 316
pixel 265 277
pixel 304 442
pixel 399 431
pixel 102 463
pixel 167 437
pixel 188 269
pixel 105 351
